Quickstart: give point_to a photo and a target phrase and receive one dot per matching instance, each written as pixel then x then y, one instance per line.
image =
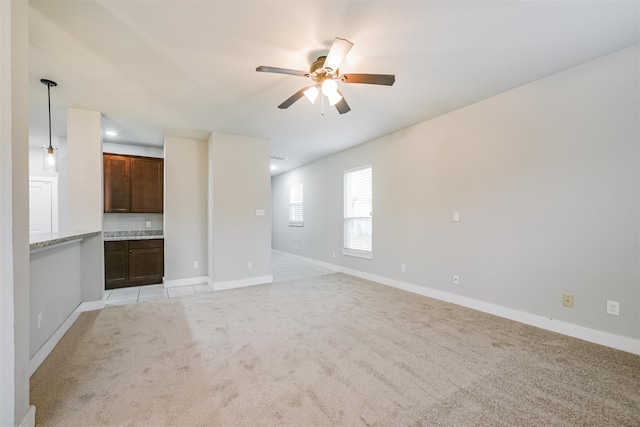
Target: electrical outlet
pixel 334 254
pixel 456 216
pixel 249 265
pixel 613 308
pixel 567 300
pixel 39 320
pixel 403 268
pixel 148 224
pixel 195 264
pixel 456 279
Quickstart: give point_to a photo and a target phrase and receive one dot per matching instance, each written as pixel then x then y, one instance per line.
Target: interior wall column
pixel 239 211
pixel 14 216
pixel 84 147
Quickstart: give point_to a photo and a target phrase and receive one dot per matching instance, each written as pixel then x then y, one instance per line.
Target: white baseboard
pixel 314 261
pixel 92 305
pixel 618 342
pixel 29 419
pixel 185 282
pixel 233 284
pixel 49 345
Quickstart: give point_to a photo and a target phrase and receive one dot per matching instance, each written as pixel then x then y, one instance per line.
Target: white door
pixel 43 205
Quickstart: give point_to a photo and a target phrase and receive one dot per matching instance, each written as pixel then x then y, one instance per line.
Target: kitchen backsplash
pixel 131 221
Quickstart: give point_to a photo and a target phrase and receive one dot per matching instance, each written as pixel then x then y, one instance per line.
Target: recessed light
pixel 111 133
pixel 273 167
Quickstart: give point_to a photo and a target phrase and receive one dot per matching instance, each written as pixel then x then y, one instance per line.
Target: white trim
pixel 233 284
pixel 311 260
pixel 174 283
pixel 92 305
pixel 29 419
pixel 49 345
pixel 607 339
pixel 592 335
pixel 357 169
pixel 357 253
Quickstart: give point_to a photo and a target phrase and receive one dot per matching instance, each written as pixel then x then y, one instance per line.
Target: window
pixel 296 209
pixel 358 206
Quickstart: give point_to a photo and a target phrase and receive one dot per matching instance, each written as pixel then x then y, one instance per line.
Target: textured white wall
pixel 185 208
pixel 545 176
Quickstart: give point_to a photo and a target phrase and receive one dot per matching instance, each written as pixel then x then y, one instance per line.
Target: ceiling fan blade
pixel 372 79
pixel 342 105
pixel 264 69
pixel 336 54
pixel 293 98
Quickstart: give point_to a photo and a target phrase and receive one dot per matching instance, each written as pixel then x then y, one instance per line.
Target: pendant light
pixel 50 159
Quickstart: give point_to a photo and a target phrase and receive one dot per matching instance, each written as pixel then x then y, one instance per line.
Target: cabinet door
pixel 117 183
pixel 116 264
pixel 146 184
pixel 146 261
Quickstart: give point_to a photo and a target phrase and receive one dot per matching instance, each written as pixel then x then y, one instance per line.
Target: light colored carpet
pixel 329 350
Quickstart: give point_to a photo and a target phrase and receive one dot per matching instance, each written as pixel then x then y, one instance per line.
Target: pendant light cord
pixel 49 100
pixel 49 83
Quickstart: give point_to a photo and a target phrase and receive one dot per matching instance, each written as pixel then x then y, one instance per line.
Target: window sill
pixel 296 224
pixel 357 254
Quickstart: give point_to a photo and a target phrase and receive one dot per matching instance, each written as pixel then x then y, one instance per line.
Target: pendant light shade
pixel 311 94
pixel 50 156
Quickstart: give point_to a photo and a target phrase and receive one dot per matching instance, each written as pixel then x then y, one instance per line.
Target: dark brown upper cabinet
pixel 133 184
pixel 117 183
pixel 146 184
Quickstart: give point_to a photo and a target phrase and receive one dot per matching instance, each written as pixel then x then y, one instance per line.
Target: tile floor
pixel 284 267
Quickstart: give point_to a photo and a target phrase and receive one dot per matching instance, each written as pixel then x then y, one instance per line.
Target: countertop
pixel 114 236
pixel 40 241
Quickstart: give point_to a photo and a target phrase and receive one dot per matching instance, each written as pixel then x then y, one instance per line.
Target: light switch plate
pixel 456 216
pixel 259 212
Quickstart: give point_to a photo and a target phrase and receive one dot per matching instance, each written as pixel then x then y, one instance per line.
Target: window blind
pixel 296 207
pixel 358 206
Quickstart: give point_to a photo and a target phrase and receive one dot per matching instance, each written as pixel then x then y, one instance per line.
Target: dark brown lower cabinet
pixel 133 263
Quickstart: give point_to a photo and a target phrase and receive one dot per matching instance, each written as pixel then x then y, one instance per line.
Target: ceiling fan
pixel 324 73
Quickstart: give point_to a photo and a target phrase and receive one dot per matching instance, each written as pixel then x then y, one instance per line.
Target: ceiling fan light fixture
pixel 312 94
pixel 329 88
pixel 324 73
pixel 334 98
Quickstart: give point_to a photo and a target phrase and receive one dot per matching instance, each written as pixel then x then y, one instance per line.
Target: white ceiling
pixel 185 68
